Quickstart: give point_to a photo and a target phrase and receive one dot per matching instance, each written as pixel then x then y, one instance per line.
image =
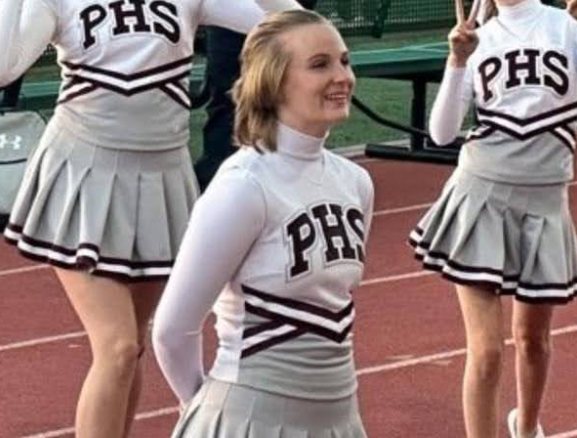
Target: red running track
pixel 408 339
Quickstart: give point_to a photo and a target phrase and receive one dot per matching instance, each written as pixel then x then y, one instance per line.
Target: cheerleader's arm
pixel 241 15
pixel 225 222
pixel 26 29
pixel 451 105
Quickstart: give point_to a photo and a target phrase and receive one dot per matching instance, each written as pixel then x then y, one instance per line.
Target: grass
pixel 389 98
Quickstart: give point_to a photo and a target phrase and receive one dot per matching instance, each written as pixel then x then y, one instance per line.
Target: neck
pixel 518 11
pixel 312 129
pixel 299 144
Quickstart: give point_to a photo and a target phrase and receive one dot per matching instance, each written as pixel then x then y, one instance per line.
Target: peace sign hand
pixel 463 39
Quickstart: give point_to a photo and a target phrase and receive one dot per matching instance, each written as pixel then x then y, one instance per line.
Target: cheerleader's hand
pixel 463 39
pixel 572 7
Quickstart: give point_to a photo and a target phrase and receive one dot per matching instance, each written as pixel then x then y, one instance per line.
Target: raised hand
pixel 463 39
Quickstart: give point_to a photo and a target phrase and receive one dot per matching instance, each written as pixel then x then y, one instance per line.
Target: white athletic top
pixel 279 238
pixel 523 80
pixel 125 63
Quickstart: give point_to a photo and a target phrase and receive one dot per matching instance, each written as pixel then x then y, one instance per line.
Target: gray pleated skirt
pixel 519 239
pixel 225 410
pixel 111 212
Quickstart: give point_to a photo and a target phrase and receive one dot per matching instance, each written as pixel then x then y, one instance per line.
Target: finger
pixel 460 11
pixel 474 13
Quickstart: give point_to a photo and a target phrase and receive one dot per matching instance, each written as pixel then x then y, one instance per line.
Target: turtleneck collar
pixel 296 144
pixel 521 12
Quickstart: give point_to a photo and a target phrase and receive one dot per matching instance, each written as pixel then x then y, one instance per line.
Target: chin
pixel 339 117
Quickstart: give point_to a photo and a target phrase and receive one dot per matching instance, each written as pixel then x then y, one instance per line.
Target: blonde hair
pixel 258 90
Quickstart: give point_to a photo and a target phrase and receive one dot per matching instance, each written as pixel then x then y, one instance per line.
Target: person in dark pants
pixel 223 48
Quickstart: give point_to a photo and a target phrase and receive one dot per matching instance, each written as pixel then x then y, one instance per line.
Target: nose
pixel 344 74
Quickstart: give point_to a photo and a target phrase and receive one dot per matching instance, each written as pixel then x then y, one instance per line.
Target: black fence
pixel 375 17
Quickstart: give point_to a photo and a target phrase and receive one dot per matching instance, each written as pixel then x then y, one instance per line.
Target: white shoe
pixel 512 423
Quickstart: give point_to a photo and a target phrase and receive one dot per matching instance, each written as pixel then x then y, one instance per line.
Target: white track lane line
pixel 431 358
pixel 22 270
pixel 142 416
pixel 363 371
pixel 442 356
pixel 63 337
pixel 384 212
pixel 570 434
pixel 57 338
pixel 139 417
pixel 400 277
pixel 40 341
pixel 398 210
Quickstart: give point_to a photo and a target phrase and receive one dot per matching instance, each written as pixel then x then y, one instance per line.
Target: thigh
pixel 482 315
pixel 104 306
pixel 531 320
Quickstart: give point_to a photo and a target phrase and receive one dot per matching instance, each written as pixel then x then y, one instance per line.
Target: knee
pixel 487 362
pixel 120 358
pixel 532 346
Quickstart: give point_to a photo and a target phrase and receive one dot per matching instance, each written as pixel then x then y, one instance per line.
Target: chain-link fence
pixel 373 17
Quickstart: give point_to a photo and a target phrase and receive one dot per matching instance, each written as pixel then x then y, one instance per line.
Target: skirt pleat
pixel 111 212
pixel 354 430
pixel 224 410
pixel 516 239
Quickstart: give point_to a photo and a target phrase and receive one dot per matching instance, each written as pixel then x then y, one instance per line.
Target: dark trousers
pixel 223 48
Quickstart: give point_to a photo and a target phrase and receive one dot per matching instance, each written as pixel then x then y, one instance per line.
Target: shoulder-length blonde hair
pixel 264 62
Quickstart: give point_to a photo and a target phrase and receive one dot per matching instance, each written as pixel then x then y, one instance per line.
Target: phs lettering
pixel 339 230
pixel 158 17
pixel 546 68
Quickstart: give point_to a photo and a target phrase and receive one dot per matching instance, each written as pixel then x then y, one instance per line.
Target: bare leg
pixel 483 319
pixel 145 296
pixel 530 327
pixel 106 311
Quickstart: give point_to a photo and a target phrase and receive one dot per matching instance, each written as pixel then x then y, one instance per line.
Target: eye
pixel 319 64
pixel 345 60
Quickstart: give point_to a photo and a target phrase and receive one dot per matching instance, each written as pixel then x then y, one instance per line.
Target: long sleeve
pixel 242 15
pixel 26 28
pixel 278 5
pixel 225 222
pixel 239 15
pixel 451 105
